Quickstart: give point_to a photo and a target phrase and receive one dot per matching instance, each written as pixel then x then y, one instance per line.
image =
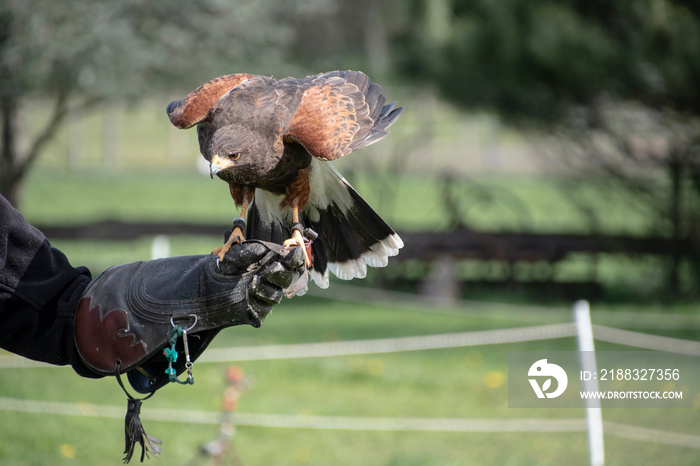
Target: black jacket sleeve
pixel 39 294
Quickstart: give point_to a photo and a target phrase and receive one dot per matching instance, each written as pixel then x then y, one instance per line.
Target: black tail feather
pixel 349 239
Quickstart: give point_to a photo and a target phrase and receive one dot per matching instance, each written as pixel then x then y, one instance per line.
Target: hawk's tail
pixel 351 235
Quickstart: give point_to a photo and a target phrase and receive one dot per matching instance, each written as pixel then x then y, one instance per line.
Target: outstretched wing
pixel 340 112
pixel 195 107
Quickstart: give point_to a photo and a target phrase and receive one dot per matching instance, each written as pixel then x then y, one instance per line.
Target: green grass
pixel 70 198
pixel 448 383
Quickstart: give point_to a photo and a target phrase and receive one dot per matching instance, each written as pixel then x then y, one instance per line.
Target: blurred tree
pixel 78 53
pixel 337 34
pixel 539 58
pixel 615 81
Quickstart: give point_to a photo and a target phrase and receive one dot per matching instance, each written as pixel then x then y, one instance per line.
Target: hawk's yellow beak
pixel 217 164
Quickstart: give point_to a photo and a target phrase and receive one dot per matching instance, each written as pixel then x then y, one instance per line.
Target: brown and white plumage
pixel 272 141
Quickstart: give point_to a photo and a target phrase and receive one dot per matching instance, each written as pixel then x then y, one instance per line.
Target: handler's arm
pixel 121 321
pixel 39 293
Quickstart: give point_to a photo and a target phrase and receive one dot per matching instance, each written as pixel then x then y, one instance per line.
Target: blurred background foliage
pixel 592 104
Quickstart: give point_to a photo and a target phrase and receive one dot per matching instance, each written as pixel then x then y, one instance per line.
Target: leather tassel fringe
pixel 134 433
pixel 133 428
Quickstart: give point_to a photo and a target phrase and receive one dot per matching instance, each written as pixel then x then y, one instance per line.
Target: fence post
pixel 160 247
pixel 594 415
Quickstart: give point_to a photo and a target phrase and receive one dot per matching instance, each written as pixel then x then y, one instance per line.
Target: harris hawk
pixel 273 140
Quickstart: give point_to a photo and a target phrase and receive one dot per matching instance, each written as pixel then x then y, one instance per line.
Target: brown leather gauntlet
pixel 127 315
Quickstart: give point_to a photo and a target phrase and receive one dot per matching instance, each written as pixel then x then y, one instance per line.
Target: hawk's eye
pixel 234 155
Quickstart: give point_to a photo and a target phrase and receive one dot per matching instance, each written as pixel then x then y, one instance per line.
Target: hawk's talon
pixel 235 237
pixel 297 240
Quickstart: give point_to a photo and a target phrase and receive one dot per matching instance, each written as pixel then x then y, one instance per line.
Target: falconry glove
pixel 152 320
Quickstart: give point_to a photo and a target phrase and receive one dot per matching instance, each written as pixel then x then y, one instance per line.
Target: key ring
pixel 171 353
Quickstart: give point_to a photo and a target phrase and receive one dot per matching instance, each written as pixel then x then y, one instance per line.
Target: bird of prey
pixel 273 140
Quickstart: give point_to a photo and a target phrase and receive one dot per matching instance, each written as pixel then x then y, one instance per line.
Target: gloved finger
pixel 241 256
pixel 266 292
pixel 278 275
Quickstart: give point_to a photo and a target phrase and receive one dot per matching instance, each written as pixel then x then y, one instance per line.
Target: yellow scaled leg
pixel 236 236
pixel 297 240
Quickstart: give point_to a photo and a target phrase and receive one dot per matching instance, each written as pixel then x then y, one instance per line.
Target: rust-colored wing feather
pixel 340 112
pixel 195 107
pixel 329 117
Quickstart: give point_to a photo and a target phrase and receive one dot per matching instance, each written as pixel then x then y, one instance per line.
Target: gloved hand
pixel 152 320
pixel 128 314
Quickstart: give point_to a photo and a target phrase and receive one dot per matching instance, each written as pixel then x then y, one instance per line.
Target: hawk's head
pixel 238 154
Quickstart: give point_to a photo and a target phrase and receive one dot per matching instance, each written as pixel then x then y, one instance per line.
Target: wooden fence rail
pixel 424 246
